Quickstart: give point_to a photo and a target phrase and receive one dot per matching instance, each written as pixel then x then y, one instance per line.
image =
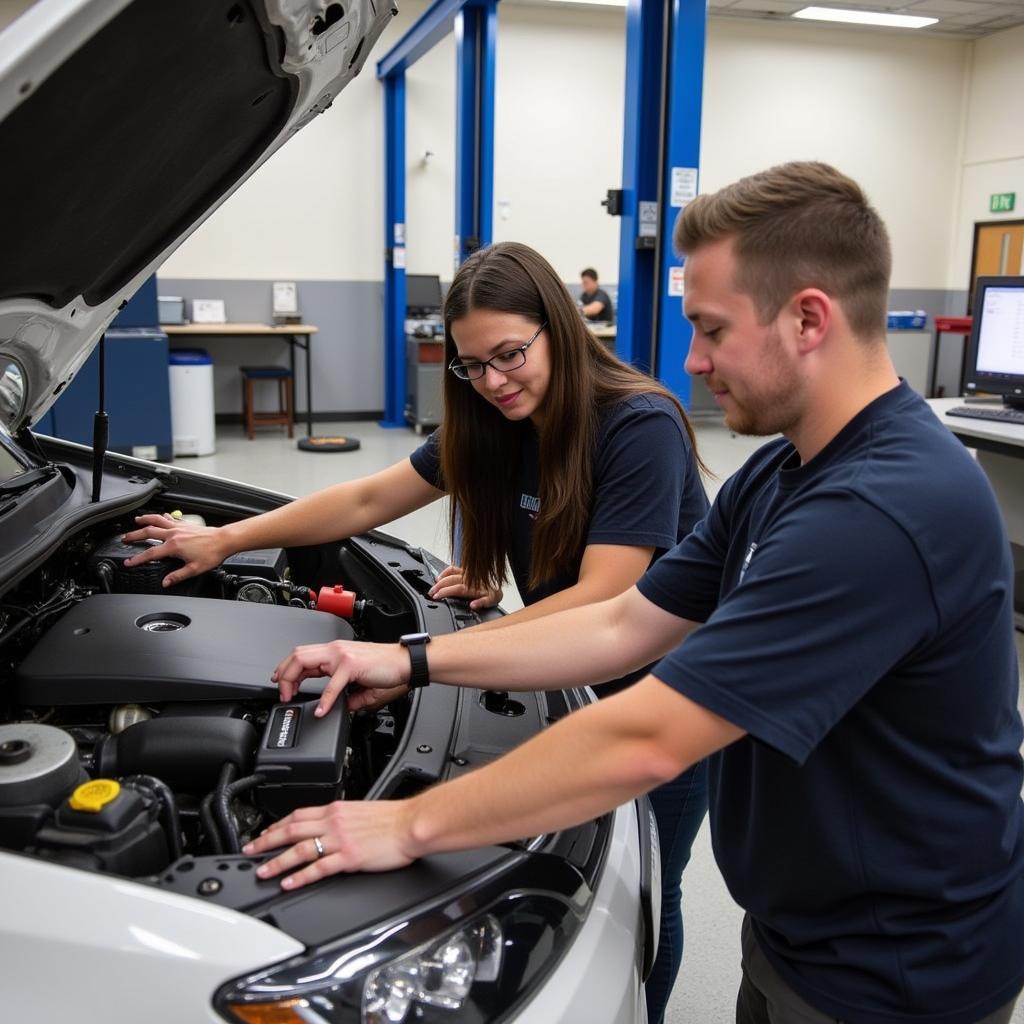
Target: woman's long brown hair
pixel 480 448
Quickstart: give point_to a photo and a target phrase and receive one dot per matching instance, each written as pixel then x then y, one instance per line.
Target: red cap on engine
pixel 338 600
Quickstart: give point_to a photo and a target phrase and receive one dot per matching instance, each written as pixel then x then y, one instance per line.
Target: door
pixel 998 251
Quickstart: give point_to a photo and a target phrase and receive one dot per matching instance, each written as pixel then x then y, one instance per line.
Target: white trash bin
pixel 192 423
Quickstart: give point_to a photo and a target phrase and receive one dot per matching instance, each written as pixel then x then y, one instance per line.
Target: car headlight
pixel 475 972
pixel 439 975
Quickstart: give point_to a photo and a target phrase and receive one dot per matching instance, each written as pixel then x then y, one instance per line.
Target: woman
pixel 560 460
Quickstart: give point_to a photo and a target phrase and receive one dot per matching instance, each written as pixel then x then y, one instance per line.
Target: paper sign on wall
pixel 675 282
pixel 399 234
pixel 398 257
pixel 684 185
pixel 285 299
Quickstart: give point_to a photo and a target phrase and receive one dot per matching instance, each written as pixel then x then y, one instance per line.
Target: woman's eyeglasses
pixel 502 362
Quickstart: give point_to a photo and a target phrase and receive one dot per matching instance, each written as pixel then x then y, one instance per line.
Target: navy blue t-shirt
pixel 607 311
pixel 858 625
pixel 647 490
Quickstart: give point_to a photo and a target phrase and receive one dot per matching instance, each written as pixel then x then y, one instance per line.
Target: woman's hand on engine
pixel 201 548
pixel 451 582
pixel 347 835
pixel 375 673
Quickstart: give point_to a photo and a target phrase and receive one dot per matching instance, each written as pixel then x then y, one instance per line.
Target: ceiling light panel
pixel 864 17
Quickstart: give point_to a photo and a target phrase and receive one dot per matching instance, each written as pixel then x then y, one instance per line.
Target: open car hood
pixel 123 125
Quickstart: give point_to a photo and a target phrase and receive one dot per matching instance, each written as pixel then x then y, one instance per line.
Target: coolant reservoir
pixel 188 517
pixel 105 826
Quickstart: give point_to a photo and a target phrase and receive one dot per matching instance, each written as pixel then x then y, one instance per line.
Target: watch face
pixel 414 638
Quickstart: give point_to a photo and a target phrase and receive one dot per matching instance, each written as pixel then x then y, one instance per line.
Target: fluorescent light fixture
pixel 864 17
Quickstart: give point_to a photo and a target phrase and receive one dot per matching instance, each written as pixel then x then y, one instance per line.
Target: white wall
pixel 882 106
pixel 558 136
pixel 993 159
pixel 429 182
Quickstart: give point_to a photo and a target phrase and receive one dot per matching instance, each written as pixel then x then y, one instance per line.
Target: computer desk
pixel 1000 448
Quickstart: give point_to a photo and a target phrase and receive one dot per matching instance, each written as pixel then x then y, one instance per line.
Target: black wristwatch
pixel 416 645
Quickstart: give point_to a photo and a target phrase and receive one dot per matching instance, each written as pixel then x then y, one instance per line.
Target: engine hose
pixel 208 809
pixel 222 809
pixel 169 818
pixel 209 825
pixel 247 782
pixel 228 794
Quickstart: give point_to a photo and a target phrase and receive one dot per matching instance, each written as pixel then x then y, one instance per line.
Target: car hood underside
pixel 204 91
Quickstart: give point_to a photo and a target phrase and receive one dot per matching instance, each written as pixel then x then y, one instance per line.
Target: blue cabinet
pixel 138 400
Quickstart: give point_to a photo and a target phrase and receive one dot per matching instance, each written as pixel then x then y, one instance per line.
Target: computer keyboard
pixel 1002 413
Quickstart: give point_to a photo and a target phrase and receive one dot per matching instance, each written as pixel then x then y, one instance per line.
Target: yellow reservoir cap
pixel 177 514
pixel 94 796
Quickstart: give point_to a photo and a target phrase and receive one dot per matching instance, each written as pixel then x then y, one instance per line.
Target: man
pixel 596 304
pixel 854 666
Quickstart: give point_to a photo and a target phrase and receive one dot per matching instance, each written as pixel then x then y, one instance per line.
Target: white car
pixel 141 741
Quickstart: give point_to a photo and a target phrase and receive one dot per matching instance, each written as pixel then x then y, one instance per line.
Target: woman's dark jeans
pixel 679 807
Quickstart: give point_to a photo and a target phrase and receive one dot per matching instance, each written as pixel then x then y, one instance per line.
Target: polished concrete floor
pixel 706 989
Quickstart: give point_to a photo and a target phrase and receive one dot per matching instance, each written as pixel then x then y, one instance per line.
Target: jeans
pixel 679 807
pixel 764 998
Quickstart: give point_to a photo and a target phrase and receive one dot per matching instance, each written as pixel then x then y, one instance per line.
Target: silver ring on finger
pixel 319 844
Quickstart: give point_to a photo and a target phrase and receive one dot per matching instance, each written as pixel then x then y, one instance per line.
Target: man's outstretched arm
pixel 578 646
pixel 585 765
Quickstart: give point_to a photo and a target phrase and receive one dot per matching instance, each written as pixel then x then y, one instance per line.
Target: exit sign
pixel 1001 202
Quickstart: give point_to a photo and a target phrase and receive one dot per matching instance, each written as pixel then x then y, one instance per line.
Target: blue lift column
pixel 394 253
pixel 476 24
pixel 646 22
pixel 476 30
pixel 661 152
pixel 679 184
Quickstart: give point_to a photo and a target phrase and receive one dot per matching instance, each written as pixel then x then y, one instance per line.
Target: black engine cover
pixel 114 648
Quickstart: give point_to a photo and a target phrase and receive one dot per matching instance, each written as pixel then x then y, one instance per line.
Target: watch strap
pixel 420 672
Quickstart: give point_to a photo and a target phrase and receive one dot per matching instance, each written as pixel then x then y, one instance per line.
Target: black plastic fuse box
pixel 302 757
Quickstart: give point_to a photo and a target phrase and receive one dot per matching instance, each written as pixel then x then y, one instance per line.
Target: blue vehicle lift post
pixel 394 275
pixel 475 25
pixel 665 42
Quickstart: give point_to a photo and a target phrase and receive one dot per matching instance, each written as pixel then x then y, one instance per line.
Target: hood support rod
pixel 100 427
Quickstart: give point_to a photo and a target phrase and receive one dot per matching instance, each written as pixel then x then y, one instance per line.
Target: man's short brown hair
pixel 798 225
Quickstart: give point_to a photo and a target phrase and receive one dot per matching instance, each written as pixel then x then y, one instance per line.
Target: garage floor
pixel 706 990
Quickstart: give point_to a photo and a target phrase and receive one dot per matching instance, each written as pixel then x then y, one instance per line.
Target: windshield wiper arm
pixel 30 478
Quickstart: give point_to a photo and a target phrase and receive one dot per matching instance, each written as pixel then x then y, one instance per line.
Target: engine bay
pixel 140 724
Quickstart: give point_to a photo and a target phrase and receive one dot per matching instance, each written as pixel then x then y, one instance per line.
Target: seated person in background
pixel 595 303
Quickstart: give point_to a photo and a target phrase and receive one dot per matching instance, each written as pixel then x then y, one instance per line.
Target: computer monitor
pixel 422 294
pixel 995 361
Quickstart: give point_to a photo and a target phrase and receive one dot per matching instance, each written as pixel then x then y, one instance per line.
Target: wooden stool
pixel 284 415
